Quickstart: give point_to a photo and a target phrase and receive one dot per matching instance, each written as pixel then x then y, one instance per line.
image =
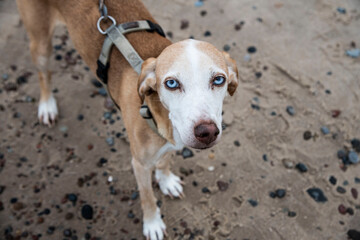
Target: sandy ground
pixel 300 61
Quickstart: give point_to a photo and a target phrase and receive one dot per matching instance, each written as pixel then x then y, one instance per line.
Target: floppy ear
pixel 233 73
pixel 147 79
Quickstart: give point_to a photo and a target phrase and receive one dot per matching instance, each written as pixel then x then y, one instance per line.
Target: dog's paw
pixel 154 228
pixel 47 111
pixel 169 184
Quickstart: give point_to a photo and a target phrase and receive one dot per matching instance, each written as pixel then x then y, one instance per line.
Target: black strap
pixel 102 71
pixel 155 27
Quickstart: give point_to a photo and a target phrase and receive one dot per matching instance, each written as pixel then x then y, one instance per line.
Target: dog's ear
pixel 233 73
pixel 147 79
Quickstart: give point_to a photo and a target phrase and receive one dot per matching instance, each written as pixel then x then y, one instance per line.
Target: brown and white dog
pixel 183 83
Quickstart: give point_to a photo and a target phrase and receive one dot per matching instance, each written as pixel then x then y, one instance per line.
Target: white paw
pixel 47 111
pixel 154 228
pixel 169 184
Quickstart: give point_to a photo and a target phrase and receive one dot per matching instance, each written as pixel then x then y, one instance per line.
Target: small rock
pixel 317 194
pixel 18 206
pixel 301 167
pixel 211 168
pixel 5 76
pixel 203 13
pixel 357 180
pixel 102 91
pixel 342 209
pixel 110 141
pixel 290 110
pixel 354 193
pixel 350 211
pixel 253 202
pixel 335 113
pixel 226 48
pixel 258 74
pixel 184 24
pixel 96 83
pixel 355 143
pixel 251 49
pixel 69 216
pixel 67 233
pixel 341 10
pixel 353 234
pixel 353 157
pixel 80 117
pixel 109 104
pixel 223 186
pixel 354 53
pixel 205 190
pixel 207 34
pixel 287 163
pixel 101 162
pixel 134 195
pixel 341 154
pixel 87 212
pixel 332 180
pixel 237 143
pixel 72 198
pixel 325 130
pixel 280 193
pixel 291 214
pixel 187 153
pixel 10 87
pixel 2 188
pixel 272 194
pixel 341 190
pixel 307 135
pixel 50 230
pixel 131 215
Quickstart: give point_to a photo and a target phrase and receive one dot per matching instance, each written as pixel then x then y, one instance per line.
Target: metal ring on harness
pixel 99 21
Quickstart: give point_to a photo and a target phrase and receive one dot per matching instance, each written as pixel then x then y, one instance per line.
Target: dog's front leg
pixel 154 227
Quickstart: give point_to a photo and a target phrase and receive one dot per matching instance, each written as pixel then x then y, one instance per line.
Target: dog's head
pixel 191 78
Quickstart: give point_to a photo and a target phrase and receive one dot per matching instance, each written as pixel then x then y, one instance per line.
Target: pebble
pixel 2 188
pixel 72 198
pixel 354 53
pixel 335 113
pixel 342 209
pixel 50 230
pixel 354 193
pixel 184 24
pixel 187 153
pixel 272 194
pixel 80 117
pixel 353 157
pixel 223 186
pixel 67 233
pixel 58 57
pixel 287 163
pixel 237 143
pixel 332 180
pixel 102 91
pixel 350 211
pixel 226 48
pixel 280 193
pixel 131 215
pixel 107 115
pixel 10 87
pixel 87 212
pixel 199 3
pixel 18 206
pixel 265 158
pixel 109 104
pixel 251 49
pixel 203 13
pixel 253 202
pixel 317 194
pixel 134 195
pixel 341 190
pixel 290 110
pixel 69 216
pixel 101 162
pixel 96 83
pixel 357 180
pixel 258 74
pixel 325 130
pixel 207 34
pixel 353 234
pixel 205 190
pixel 5 76
pixel 110 141
pixel 341 10
pixel 301 167
pixel 13 200
pixel 291 214
pixel 211 168
pixel 341 154
pixel 355 143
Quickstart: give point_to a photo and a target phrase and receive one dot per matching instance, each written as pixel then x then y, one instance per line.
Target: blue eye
pixel 218 80
pixel 172 84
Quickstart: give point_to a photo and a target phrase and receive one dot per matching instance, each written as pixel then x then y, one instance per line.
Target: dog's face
pixel 191 78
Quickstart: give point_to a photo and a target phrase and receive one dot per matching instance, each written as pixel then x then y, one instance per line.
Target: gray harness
pixel 115 36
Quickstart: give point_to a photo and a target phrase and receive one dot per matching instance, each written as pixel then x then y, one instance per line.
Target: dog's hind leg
pixel 169 183
pixel 39 20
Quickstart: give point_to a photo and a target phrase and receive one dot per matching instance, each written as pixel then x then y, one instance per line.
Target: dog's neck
pixel 161 117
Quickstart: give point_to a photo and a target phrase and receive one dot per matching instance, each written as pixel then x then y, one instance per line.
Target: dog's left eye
pixel 172 84
pixel 218 80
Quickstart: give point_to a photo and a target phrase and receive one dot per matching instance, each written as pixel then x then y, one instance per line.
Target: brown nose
pixel 206 132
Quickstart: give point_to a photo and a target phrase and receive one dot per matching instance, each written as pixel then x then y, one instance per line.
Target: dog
pixel 184 85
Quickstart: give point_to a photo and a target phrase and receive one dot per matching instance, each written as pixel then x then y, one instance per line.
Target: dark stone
pixel 355 143
pixel 265 158
pixel 101 162
pixel 317 194
pixel 187 153
pixel 50 230
pixel 72 198
pixel 194 183
pixel 290 110
pixel 272 194
pixel 67 233
pixel 131 215
pixel 226 48
pixel 341 190
pixel 350 211
pixel 2 189
pixel 87 212
pixel 134 195
pixel 80 117
pixel 354 193
pixel 258 74
pixel 341 10
pixel 203 13
pixel 325 130
pixel 207 34
pixel 301 167
pixel 255 106
pixel 223 186
pixel 280 193
pixel 353 234
pixel 58 57
pixel 96 83
pixel 21 80
pixel 13 200
pixel 184 24
pixel 332 180
pixel 251 49
pixel 341 154
pixel 357 180
pixel 353 157
pixel 253 202
pixel 307 135
pixel 205 190
pixel 291 214
pixel 237 143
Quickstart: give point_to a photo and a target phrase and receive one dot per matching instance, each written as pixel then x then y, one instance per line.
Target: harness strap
pixel 115 35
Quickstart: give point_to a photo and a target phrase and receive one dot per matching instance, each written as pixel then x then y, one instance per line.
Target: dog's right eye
pixel 172 84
